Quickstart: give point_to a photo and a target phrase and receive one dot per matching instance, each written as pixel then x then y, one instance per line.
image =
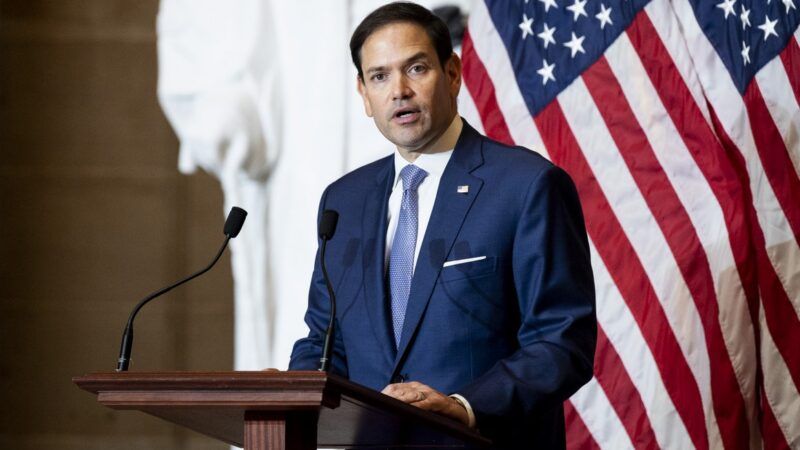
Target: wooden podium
pixel 279 410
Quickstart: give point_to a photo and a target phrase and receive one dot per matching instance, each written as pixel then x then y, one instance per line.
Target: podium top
pixel 215 403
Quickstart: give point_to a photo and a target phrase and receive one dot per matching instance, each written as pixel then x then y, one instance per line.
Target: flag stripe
pixel 592 404
pixel 482 91
pixel 619 256
pixel 774 157
pixel 774 439
pixel 578 436
pixel 682 239
pixel 731 114
pixel 783 398
pixel 616 319
pixel 630 210
pixel 622 394
pixel 784 111
pixel 790 57
pixel 699 138
pixel 739 311
pixel 468 110
pixel 772 294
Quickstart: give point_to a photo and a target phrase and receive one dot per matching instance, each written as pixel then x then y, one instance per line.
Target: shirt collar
pixel 433 163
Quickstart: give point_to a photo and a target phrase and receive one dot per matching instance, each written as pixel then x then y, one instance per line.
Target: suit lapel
pixel 449 210
pixel 373 227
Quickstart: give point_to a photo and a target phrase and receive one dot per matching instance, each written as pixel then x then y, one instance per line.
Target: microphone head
pixel 327 224
pixel 234 222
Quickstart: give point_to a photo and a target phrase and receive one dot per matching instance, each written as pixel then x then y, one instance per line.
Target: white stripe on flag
pixel 591 403
pixel 641 229
pixel 698 200
pixel 782 105
pixel 662 16
pixel 468 110
pixel 625 336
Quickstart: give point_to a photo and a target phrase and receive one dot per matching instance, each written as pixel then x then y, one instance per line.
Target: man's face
pixel 405 89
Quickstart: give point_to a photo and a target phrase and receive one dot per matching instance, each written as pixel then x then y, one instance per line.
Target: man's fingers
pixel 411 392
pixel 427 398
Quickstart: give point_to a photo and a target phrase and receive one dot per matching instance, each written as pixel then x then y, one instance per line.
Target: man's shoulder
pixel 513 159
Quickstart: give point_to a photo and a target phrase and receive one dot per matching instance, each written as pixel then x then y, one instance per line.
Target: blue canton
pixel 747 34
pixel 551 42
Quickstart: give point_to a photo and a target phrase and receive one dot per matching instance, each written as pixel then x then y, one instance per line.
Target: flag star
pixel 575 44
pixel 727 6
pixel 604 16
pixel 789 4
pixel 768 27
pixel 578 9
pixel 546 72
pixel 525 26
pixel 745 17
pixel 745 53
pixel 547 35
pixel 548 4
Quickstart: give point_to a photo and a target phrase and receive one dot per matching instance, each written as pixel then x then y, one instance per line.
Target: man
pixel 461 265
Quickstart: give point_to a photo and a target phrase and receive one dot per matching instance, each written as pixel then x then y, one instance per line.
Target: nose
pixel 401 89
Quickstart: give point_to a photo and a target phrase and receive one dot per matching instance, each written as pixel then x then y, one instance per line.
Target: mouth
pixel 406 115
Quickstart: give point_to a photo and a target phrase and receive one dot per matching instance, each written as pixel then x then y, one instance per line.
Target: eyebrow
pixel 415 57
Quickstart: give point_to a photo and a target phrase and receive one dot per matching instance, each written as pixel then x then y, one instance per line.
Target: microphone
pixel 234 222
pixel 233 225
pixel 327 227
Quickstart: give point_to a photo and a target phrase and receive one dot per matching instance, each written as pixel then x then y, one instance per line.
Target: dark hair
pixel 402 12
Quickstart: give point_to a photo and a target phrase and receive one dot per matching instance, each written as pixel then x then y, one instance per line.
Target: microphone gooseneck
pixel 232 227
pixel 327 227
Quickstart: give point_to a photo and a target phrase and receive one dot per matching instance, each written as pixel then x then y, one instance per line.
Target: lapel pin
pixel 463 189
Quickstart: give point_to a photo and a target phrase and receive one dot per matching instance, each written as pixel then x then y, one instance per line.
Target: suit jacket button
pixel 398 379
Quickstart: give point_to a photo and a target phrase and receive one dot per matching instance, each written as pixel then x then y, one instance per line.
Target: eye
pixel 378 77
pixel 418 68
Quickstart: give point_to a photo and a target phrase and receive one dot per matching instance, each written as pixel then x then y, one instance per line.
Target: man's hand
pixel 427 398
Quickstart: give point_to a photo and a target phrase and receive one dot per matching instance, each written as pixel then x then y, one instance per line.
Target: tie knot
pixel 412 176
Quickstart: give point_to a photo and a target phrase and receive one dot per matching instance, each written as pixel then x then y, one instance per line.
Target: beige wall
pixel 93 216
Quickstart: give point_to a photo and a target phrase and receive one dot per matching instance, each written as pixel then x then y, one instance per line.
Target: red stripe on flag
pixel 774 157
pixel 481 88
pixel 578 436
pixel 704 147
pixel 674 222
pixel 710 156
pixel 773 436
pixel 627 272
pixel 622 393
pixel 790 56
pixel 782 320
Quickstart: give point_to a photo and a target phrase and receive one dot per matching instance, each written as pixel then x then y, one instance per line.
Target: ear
pixel 363 93
pixel 453 70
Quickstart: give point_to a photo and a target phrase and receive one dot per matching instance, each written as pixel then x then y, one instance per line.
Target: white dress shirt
pixel 434 164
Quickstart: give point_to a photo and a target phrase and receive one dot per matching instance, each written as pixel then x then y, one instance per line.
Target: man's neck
pixel 445 142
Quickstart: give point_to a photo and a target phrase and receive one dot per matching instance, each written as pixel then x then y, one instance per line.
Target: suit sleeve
pixel 555 289
pixel 307 351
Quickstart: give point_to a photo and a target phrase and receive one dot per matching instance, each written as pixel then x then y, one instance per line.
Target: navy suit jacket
pixel 513 333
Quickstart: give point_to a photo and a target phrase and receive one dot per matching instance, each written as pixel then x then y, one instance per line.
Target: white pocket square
pixel 462 261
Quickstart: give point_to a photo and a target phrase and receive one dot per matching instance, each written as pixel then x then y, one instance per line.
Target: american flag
pixel 679 122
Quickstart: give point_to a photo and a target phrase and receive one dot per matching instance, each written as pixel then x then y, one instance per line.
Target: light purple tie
pixel 401 257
